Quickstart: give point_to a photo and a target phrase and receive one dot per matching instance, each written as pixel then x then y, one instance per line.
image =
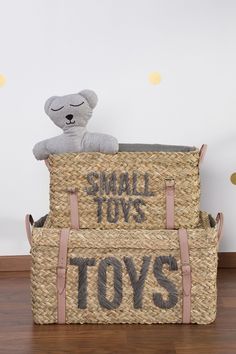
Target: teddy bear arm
pixel 100 142
pixel 41 151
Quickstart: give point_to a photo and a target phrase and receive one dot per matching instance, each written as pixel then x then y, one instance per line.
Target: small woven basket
pixel 128 190
pixel 125 276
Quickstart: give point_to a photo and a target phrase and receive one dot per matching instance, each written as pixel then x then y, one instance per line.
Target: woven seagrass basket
pixel 128 190
pixel 124 276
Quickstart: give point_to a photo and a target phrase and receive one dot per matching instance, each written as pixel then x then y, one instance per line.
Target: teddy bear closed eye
pixel 71 113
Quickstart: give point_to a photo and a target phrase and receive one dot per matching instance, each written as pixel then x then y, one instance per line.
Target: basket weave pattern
pixel 136 244
pixel 136 200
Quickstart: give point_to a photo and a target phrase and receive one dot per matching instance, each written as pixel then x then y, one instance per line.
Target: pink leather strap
pixel 29 221
pixel 61 276
pixel 220 223
pixel 170 203
pixel 202 153
pixel 186 275
pixel 74 210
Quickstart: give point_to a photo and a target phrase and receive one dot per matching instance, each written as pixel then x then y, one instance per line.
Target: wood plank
pixel 23 263
pixel 227 260
pixel 15 263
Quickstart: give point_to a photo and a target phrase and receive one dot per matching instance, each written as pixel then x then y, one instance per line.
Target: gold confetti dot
pixel 154 78
pixel 233 178
pixel 2 80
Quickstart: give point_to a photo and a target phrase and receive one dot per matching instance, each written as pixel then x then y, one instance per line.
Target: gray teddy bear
pixel 72 113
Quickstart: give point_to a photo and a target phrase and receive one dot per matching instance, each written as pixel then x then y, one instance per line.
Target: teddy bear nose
pixel 69 116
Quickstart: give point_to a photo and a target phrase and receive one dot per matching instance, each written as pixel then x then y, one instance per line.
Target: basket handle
pixel 29 221
pixel 202 153
pixel 219 223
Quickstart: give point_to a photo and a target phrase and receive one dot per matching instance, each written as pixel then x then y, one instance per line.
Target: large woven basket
pixel 125 276
pixel 128 190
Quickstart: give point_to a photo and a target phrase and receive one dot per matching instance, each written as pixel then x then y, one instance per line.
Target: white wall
pixel 52 47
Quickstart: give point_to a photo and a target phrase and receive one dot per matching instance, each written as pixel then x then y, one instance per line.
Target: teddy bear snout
pixel 69 116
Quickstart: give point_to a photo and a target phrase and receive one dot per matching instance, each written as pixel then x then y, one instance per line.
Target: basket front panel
pixel 203 260
pixel 126 190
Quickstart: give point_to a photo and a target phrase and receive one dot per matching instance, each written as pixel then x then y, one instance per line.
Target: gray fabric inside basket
pixel 212 221
pixel 40 222
pixel 154 147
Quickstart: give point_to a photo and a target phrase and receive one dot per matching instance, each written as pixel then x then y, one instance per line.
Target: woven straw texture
pixel 136 244
pixel 125 190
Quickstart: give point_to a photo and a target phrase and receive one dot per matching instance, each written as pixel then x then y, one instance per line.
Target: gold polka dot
pixel 233 178
pixel 2 80
pixel 154 78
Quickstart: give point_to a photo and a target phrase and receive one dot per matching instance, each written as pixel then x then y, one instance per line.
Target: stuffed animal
pixel 72 113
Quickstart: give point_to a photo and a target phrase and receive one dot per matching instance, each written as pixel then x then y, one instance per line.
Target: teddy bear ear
pixel 90 96
pixel 48 103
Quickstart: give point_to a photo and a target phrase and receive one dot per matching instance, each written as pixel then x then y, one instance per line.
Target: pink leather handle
pixel 202 153
pixel 186 275
pixel 220 223
pixel 29 221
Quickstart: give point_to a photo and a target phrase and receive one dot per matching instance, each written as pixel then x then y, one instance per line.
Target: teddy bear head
pixel 71 110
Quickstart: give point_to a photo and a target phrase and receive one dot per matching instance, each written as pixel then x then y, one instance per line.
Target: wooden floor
pixel 18 334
